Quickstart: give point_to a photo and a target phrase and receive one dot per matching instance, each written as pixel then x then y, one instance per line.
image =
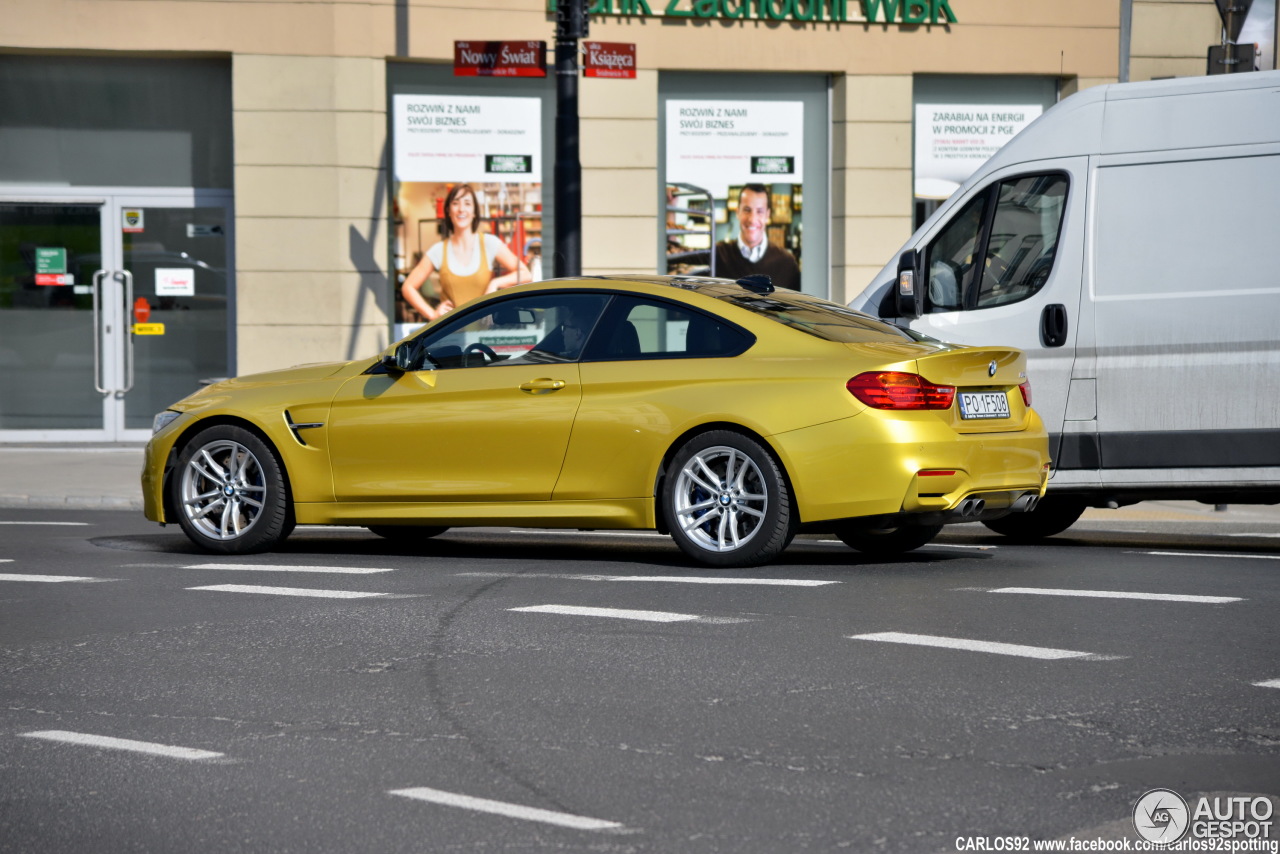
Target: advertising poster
pixel 446 143
pixel 734 196
pixel 953 140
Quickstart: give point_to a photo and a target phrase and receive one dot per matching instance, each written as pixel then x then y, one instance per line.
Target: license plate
pixel 984 404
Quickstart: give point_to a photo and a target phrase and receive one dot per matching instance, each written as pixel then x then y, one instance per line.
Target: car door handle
pixel 542 385
pixel 1053 325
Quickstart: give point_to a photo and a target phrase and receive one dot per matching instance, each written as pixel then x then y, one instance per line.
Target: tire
pixel 230 493
pixel 407 533
pixel 886 542
pixel 1053 515
pixel 727 502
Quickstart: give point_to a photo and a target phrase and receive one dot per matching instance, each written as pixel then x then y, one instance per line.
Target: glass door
pixel 111 308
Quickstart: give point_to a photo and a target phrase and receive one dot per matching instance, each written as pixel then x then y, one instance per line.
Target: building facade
pixel 196 188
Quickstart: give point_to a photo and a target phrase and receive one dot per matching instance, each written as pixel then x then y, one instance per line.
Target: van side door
pixel 1006 268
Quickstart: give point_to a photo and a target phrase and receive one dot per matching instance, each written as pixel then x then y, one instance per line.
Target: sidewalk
pixel 106 477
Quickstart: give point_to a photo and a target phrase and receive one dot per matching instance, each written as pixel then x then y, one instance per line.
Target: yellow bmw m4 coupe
pixel 727 414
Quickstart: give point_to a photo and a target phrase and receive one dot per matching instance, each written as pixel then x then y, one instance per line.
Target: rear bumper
pixel 870 465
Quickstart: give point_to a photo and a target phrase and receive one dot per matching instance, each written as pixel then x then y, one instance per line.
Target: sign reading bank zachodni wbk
pixel 836 11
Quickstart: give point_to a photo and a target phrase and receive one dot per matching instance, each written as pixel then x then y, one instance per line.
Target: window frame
pixel 991 193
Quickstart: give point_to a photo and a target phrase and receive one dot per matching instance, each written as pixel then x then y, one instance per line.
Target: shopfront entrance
pixel 113 305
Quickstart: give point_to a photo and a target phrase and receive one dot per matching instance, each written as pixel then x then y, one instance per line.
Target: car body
pixel 726 413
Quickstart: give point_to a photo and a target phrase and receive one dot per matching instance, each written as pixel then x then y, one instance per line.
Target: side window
pixel 1015 244
pixel 950 267
pixel 524 330
pixel 1024 238
pixel 636 328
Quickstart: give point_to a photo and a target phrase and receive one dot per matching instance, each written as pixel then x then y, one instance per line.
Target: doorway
pixel 113 305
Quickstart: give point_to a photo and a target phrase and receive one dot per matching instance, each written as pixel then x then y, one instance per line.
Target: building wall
pixel 311 148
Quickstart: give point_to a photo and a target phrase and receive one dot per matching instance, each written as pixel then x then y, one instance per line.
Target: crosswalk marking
pixel 671 579
pixel 280 567
pixel 14 576
pixel 1115 594
pixel 290 591
pixel 1207 554
pixel 467 802
pixel 614 613
pixel 993 647
pixel 122 744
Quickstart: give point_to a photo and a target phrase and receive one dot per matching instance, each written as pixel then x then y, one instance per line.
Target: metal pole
pixel 568 171
pixel 1126 37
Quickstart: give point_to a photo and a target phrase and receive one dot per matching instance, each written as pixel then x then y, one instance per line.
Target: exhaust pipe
pixel 1025 504
pixel 969 508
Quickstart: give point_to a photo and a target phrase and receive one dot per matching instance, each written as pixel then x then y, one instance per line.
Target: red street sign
pixel 610 59
pixel 499 59
pixel 141 310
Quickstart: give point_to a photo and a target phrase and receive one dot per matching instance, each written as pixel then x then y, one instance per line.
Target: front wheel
pixel 888 541
pixel 726 501
pixel 230 492
pixel 1052 515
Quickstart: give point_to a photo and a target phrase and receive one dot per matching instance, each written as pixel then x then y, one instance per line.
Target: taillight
pixel 899 390
pixel 1025 388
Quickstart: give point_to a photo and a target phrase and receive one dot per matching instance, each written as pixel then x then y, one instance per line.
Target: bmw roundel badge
pixel 991 368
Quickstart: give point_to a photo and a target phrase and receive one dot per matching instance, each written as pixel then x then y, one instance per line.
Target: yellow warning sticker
pixel 148 329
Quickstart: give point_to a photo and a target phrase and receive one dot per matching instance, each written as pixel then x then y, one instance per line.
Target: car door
pixel 483 413
pixel 1007 269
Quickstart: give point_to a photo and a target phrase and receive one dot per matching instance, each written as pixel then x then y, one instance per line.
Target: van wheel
pixel 230 492
pixel 407 533
pixel 1052 515
pixel 887 541
pixel 726 501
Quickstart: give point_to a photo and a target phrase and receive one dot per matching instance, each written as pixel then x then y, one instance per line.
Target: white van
pixel 1129 243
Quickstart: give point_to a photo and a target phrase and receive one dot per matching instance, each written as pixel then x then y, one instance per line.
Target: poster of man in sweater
pixel 734 200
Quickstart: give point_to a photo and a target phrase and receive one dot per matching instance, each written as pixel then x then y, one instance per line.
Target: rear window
pixel 821 318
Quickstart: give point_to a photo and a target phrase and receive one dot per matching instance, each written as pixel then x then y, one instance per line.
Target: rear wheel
pixel 726 501
pixel 230 492
pixel 408 533
pixel 889 540
pixel 1052 515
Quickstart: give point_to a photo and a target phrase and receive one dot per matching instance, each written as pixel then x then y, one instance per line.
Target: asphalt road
pixel 507 690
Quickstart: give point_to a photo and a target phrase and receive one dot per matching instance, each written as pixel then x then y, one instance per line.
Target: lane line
pixel 291 591
pixel 562 533
pixel 925 546
pixel 1269 683
pixel 122 744
pixel 1206 554
pixel 614 613
pixel 993 647
pixel 13 576
pixel 672 579
pixel 1249 535
pixel 67 524
pixel 1112 594
pixel 466 802
pixel 279 567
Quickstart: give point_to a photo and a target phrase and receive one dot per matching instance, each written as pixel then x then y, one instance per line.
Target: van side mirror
pixel 909 289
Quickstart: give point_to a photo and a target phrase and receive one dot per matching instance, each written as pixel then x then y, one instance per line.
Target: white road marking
pixel 1250 535
pixel 290 591
pixel 10 576
pixel 67 524
pixel 466 802
pixel 673 579
pixel 1112 594
pixel 279 567
pixel 974 645
pixel 122 744
pixel 1206 554
pixel 926 545
pixel 1270 683
pixel 615 613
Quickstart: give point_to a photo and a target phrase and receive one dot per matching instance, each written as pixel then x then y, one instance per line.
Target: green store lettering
pixel 836 11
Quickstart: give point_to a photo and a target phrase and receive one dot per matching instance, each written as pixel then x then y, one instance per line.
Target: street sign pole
pixel 571 25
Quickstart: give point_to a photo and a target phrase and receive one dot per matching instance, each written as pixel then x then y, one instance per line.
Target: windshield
pixel 821 318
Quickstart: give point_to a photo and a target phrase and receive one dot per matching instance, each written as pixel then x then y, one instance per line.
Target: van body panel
pixel 1167 382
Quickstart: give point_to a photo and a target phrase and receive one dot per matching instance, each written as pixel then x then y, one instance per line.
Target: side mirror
pixel 395 360
pixel 909 289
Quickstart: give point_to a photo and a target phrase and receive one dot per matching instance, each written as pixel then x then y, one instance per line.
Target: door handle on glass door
pixel 542 384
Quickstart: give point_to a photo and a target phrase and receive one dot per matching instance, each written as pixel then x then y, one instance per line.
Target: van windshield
pixel 821 318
